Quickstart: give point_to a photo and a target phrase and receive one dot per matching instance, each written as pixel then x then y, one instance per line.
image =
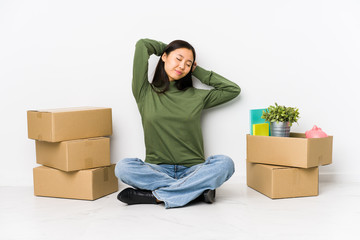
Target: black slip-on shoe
pixel 136 196
pixel 209 196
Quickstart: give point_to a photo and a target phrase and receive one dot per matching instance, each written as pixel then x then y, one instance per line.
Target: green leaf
pixel 281 113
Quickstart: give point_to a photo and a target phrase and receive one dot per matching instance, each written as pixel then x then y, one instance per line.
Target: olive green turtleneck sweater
pixel 172 121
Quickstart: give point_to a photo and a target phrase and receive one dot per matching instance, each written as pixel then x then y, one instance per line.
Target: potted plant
pixel 281 119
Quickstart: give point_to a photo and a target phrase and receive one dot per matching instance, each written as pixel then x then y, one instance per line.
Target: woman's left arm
pixel 224 90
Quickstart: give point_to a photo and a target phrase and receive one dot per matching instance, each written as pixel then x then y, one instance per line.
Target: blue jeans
pixel 175 185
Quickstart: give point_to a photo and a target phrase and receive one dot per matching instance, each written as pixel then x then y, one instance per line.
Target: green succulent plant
pixel 279 113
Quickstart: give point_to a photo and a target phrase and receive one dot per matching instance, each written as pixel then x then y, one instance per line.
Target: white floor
pixel 239 213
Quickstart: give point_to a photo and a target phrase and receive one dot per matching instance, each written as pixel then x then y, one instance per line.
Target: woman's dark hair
pixel 160 82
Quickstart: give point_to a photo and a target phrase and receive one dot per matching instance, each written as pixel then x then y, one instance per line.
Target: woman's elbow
pixel 237 91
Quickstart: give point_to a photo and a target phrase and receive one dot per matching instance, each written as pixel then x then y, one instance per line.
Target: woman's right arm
pixel 143 50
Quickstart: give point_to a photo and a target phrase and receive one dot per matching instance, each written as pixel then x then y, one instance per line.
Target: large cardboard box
pixel 63 124
pixel 293 151
pixel 283 182
pixel 87 184
pixel 74 154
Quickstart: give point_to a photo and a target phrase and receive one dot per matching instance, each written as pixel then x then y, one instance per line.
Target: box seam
pixel 67 157
pixel 52 137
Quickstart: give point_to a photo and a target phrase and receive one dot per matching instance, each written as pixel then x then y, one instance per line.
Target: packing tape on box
pixel 39 115
pixel 88 143
pixel 106 174
pixel 320 159
pixel 89 162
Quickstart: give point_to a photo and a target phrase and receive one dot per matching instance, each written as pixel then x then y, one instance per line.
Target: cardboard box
pixel 293 151
pixel 283 182
pixel 63 124
pixel 87 184
pixel 74 154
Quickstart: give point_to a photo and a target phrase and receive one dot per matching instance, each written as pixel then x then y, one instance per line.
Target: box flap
pixel 70 109
pixel 85 139
pixel 273 167
pixel 297 135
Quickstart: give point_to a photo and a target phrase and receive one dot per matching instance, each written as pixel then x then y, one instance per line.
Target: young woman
pixel 175 171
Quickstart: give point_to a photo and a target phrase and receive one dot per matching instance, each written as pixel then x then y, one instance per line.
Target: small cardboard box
pixel 283 182
pixel 293 151
pixel 74 154
pixel 63 124
pixel 87 184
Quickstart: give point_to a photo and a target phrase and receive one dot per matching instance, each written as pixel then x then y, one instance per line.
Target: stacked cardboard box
pixel 283 167
pixel 73 145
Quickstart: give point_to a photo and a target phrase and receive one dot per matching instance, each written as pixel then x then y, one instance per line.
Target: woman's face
pixel 178 63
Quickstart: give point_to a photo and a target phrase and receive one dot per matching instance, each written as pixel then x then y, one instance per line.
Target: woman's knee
pixel 225 162
pixel 122 167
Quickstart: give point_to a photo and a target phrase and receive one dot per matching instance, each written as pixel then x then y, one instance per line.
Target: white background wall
pixel 79 53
